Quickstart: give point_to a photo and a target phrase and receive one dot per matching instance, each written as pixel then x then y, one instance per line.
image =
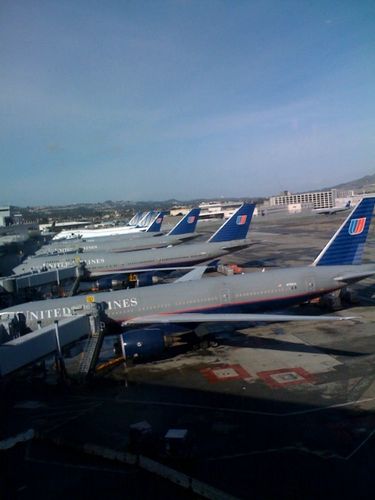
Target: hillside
pixel 357 184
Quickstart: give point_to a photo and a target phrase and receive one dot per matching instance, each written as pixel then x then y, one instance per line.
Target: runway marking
pixel 325 454
pixel 79 466
pixel 49 412
pixel 277 379
pixel 360 445
pixel 248 412
pixel 223 373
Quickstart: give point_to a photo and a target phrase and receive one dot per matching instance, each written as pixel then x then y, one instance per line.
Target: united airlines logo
pixel 241 219
pixel 191 219
pixel 356 226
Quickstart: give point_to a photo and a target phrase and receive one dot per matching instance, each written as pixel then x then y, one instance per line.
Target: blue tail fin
pixel 155 225
pixel 237 226
pixel 187 224
pixel 347 244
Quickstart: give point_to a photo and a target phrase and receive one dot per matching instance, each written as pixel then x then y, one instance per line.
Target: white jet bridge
pixel 23 350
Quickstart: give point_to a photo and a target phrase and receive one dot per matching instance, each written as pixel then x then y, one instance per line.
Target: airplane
pixel 228 238
pixel 183 231
pixel 109 231
pixel 70 242
pixel 135 220
pixel 144 316
pixel 333 210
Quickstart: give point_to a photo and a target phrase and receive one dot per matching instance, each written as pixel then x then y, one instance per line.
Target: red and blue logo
pixel 357 226
pixel 241 219
pixel 191 219
pixel 159 220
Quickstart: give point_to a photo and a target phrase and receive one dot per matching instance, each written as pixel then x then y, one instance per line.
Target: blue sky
pixel 156 99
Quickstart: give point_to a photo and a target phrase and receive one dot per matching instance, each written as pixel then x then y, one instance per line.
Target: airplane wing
pixel 239 318
pixel 238 246
pixel 145 270
pixel 353 277
pixel 156 269
pixel 195 274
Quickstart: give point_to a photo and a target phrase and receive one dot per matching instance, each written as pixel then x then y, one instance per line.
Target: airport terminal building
pixel 314 199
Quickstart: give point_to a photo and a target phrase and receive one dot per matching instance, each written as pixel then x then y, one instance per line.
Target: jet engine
pixel 122 281
pixel 147 279
pixel 108 283
pixel 144 344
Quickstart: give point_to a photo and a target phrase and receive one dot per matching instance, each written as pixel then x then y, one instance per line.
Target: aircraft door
pixel 226 295
pixel 310 283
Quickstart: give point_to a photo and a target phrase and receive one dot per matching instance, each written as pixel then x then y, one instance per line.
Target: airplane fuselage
pixel 251 292
pixel 120 246
pixel 100 264
pixel 98 233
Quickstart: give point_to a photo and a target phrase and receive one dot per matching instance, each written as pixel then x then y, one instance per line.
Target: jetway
pixel 17 283
pixel 27 349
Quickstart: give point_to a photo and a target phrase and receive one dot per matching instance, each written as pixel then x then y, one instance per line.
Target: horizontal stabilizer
pixel 237 318
pixel 234 247
pixel 354 277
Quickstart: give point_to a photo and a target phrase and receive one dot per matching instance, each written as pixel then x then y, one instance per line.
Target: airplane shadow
pixel 256 342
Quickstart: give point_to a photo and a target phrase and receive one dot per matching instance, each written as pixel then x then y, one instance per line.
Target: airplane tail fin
pixel 347 244
pixel 135 219
pixel 187 224
pixel 236 227
pixel 146 219
pixel 155 225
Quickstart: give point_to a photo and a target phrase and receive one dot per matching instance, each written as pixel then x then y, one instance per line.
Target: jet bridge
pixel 21 282
pixel 27 349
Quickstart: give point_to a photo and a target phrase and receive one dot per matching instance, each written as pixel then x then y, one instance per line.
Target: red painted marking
pixel 362 224
pixel 223 373
pixel 285 377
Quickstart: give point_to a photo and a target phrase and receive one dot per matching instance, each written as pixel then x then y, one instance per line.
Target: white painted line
pixel 360 445
pixel 251 412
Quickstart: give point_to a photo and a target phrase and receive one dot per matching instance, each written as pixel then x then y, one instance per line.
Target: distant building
pixel 175 211
pixel 74 224
pixel 219 210
pixel 315 199
pixel 5 217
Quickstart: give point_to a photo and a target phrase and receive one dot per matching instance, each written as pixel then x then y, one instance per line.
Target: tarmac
pixel 274 411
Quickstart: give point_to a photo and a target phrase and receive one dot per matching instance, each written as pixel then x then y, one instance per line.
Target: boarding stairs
pixel 93 345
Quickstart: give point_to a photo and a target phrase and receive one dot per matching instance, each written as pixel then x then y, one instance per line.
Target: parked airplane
pixel 68 242
pixel 333 210
pixel 239 298
pixel 108 231
pixel 230 237
pixel 136 219
pixel 183 231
